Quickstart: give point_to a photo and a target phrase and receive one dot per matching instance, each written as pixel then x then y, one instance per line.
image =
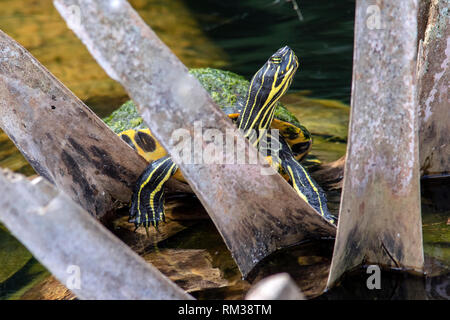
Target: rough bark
pixel 380 218
pixel 255 213
pixel 61 137
pixel 422 18
pixel 432 91
pixel 70 243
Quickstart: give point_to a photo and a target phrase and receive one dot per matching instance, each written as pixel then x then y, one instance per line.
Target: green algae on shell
pixel 226 89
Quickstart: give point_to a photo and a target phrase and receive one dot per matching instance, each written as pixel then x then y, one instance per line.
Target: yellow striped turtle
pixel 257 113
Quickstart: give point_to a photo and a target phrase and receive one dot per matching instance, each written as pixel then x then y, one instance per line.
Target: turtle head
pixel 280 67
pixel 267 86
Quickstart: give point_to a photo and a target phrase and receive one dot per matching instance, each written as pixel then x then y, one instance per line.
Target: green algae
pixel 226 88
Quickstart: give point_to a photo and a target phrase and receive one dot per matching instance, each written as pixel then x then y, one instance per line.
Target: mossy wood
pixel 380 216
pixel 433 87
pixel 61 137
pixel 256 214
pixel 78 250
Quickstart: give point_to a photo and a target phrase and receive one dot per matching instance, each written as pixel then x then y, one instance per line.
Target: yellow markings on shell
pixel 283 126
pixel 233 115
pixel 159 151
pixel 284 174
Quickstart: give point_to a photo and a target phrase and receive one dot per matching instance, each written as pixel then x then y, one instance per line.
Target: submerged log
pixel 60 136
pixel 256 214
pixel 432 91
pixel 77 249
pixel 380 217
pixel 330 174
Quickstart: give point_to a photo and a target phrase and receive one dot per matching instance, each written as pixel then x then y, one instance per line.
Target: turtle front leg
pixel 147 206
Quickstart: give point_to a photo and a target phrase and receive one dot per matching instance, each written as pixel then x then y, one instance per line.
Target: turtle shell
pixel 228 91
pixel 296 135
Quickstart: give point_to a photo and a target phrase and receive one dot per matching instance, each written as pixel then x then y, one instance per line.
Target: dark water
pixel 237 36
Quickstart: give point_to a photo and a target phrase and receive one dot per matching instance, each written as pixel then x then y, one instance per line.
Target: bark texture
pixel 380 217
pixel 433 86
pixel 60 136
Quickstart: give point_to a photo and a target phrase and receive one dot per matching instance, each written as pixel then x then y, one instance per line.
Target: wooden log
pixel 380 217
pixel 276 287
pixel 255 214
pixel 432 91
pixel 60 136
pixel 79 251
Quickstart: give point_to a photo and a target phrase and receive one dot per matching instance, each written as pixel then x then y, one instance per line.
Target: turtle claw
pixel 147 205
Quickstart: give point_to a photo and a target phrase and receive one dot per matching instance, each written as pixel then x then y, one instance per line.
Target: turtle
pixel 254 113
